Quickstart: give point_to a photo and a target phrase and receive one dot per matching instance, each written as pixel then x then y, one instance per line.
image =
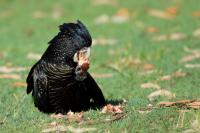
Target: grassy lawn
pixel 147 40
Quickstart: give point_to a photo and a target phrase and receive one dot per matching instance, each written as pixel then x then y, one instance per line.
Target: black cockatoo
pixel 59 81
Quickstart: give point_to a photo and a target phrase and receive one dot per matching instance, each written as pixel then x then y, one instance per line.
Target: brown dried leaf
pixel 34 56
pixel 121 16
pixel 196 14
pixel 172 10
pixel 162 92
pixel 177 36
pixel 190 57
pixel 102 75
pixel 179 74
pixel 112 109
pixel 160 14
pixel 192 65
pixel 165 78
pixel 10 76
pixel 104 41
pixel 5 69
pixel 5 14
pixel 150 85
pixel 151 29
pixel 148 67
pixel 19 84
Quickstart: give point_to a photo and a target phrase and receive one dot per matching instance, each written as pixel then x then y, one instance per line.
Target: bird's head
pixel 74 41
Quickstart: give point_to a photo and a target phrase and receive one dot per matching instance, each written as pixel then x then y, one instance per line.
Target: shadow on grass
pixel 115 101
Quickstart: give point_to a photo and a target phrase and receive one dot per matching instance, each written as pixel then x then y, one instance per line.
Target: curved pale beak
pixel 82 58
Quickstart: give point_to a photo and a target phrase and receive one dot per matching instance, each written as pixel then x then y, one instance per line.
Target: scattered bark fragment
pixel 194 104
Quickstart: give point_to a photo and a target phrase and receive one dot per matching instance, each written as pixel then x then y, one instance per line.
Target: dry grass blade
pixel 162 92
pixel 5 69
pixel 57 12
pixel 196 33
pixel 104 2
pixel 177 74
pixel 192 65
pixel 103 19
pixel 102 75
pixel 10 76
pixel 115 117
pixel 104 41
pixel 150 85
pixel 173 37
pixel 34 56
pixel 39 15
pixel 60 128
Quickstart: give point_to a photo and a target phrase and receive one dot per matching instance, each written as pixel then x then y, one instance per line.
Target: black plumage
pixel 57 82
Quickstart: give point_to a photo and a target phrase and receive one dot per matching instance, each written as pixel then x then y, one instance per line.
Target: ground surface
pixel 136 42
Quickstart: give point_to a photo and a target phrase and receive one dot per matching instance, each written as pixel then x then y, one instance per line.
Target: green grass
pixel 20 34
